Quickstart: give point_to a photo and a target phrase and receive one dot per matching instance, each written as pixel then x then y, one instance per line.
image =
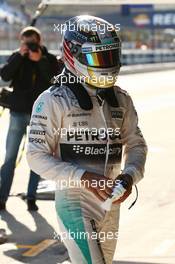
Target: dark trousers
pixel 17 129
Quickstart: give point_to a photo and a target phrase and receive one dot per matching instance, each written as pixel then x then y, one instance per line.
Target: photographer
pixel 30 70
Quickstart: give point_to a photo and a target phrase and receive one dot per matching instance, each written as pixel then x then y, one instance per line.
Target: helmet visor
pixel 103 59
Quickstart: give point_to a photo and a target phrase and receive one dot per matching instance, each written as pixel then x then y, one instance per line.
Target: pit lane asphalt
pixel 147 233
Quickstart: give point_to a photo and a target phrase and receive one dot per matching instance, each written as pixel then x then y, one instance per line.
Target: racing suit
pixel 58 151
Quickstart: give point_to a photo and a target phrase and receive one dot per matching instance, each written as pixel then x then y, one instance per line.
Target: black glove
pixel 127 182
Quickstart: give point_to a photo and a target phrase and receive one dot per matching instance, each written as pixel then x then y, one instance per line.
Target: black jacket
pixel 28 78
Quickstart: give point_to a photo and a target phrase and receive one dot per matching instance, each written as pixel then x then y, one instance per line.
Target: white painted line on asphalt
pixel 163 247
pixel 38 248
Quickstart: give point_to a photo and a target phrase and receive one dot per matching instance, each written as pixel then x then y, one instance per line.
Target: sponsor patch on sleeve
pixel 117 114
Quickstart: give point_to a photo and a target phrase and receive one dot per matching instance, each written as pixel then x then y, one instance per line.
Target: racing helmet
pixel 92 50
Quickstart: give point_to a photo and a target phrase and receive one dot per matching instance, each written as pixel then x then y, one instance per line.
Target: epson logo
pixel 37 140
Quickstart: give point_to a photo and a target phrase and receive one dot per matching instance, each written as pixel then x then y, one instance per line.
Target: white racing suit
pixel 58 151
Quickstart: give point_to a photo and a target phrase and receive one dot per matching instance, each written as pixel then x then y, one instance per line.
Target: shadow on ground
pixel 22 235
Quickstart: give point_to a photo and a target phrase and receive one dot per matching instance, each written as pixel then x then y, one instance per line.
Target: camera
pixel 33 46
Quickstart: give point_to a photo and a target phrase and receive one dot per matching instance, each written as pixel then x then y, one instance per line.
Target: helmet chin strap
pixel 108 95
pixel 82 95
pixel 77 89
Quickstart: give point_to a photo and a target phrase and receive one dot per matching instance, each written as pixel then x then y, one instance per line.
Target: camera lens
pixel 33 46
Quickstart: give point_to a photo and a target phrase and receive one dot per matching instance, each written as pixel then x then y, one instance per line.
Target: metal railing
pixel 129 57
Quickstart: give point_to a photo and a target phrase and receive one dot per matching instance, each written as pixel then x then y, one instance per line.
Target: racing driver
pixel 81 129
